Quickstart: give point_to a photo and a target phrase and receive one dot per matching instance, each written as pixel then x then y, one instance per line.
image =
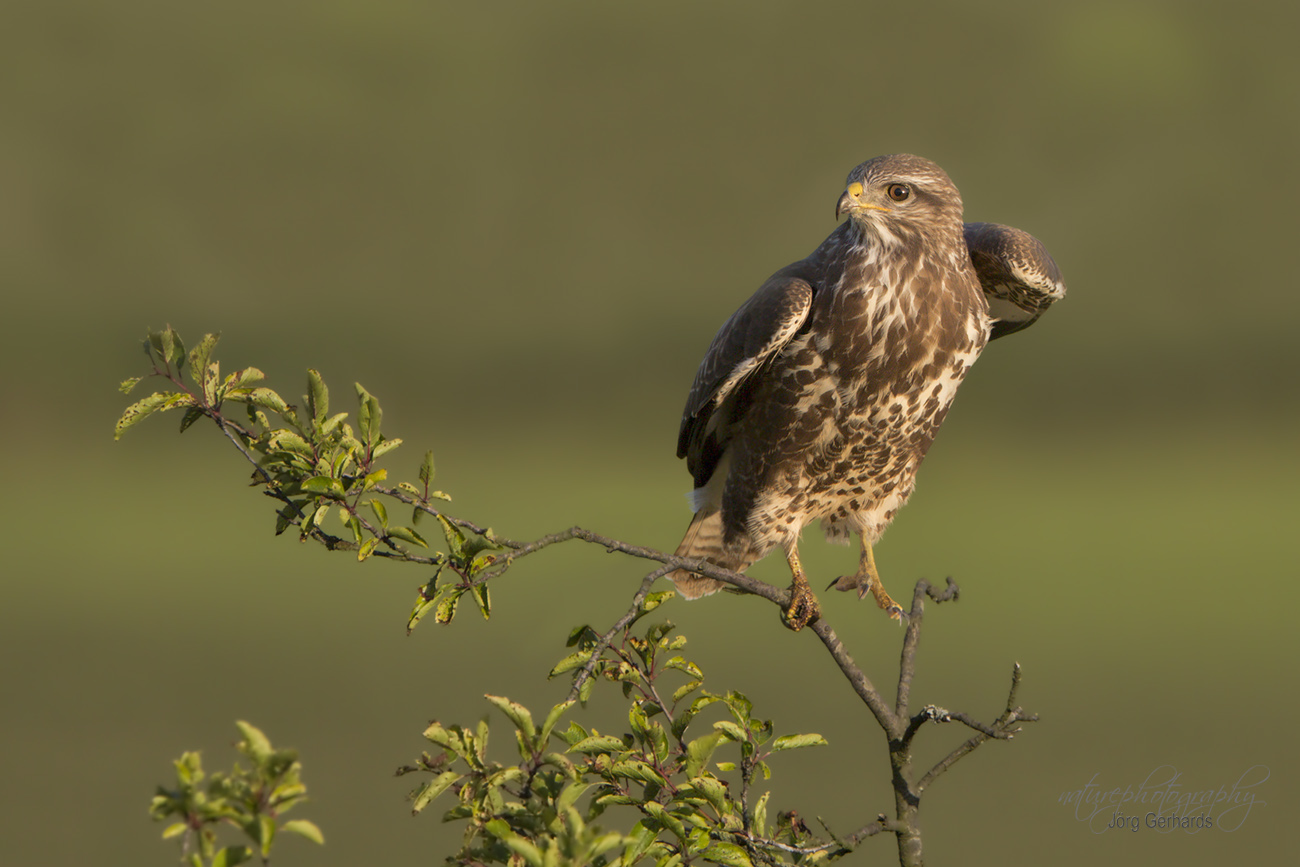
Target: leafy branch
pixel 543 810
pixel 250 799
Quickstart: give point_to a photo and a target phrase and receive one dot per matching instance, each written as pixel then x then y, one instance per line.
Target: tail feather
pixel 704 540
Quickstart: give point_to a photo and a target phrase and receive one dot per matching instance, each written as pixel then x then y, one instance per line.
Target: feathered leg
pixel 867 580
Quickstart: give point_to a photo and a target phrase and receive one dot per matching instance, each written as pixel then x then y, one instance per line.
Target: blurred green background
pixel 520 225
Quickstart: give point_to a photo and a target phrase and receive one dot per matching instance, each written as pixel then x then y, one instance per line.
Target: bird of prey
pixel 819 397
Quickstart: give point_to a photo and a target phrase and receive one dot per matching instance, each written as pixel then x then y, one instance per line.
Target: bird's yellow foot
pixel 803 608
pixel 867 580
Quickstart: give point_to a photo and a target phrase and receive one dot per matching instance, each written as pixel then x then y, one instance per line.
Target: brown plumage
pixel 819 397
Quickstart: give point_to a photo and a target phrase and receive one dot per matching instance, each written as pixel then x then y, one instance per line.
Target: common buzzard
pixel 820 396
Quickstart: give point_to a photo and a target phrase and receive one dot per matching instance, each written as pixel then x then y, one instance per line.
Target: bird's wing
pixel 1019 277
pixel 750 338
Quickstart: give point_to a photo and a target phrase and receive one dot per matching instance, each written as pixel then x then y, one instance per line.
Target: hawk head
pixel 900 196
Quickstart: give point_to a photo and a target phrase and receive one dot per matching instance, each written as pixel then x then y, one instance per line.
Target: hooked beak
pixel 851 201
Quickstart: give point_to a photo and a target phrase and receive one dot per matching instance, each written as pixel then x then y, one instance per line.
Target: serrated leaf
pixel 794 742
pixel 426 469
pixel 426 793
pixel 304 828
pixel 699 751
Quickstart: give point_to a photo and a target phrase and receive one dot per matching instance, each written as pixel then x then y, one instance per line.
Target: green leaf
pixel 570 662
pixel 518 714
pixel 266 834
pixel 638 770
pixel 596 744
pixel 324 486
pixel 128 384
pixel 381 513
pixel 728 855
pixel 794 742
pixel 713 791
pixel 731 730
pixel 304 828
pixel 318 397
pixel 446 609
pixel 255 745
pixel 682 691
pixel 385 447
pixel 699 751
pixel 455 539
pixel 426 793
pixel 174 830
pixel 426 469
pixel 367 548
pixel 369 416
pixel 243 378
pixel 201 357
pixel 484 599
pixel 142 409
pixel 265 398
pixel 654 600
pixel 192 415
pixel 406 534
pixel 551 719
pixel 760 815
pixel 683 720
pixel 231 856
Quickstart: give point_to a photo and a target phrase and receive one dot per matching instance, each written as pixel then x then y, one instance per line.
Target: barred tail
pixel 704 540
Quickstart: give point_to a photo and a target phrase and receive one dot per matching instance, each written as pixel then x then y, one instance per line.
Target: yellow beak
pixel 851 200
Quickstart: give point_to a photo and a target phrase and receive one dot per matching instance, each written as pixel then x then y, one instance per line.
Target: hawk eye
pixel 899 192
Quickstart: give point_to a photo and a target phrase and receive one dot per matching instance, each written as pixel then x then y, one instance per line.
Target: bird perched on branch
pixel 819 397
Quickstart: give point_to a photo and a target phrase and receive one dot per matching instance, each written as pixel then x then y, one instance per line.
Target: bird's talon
pixel 803 609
